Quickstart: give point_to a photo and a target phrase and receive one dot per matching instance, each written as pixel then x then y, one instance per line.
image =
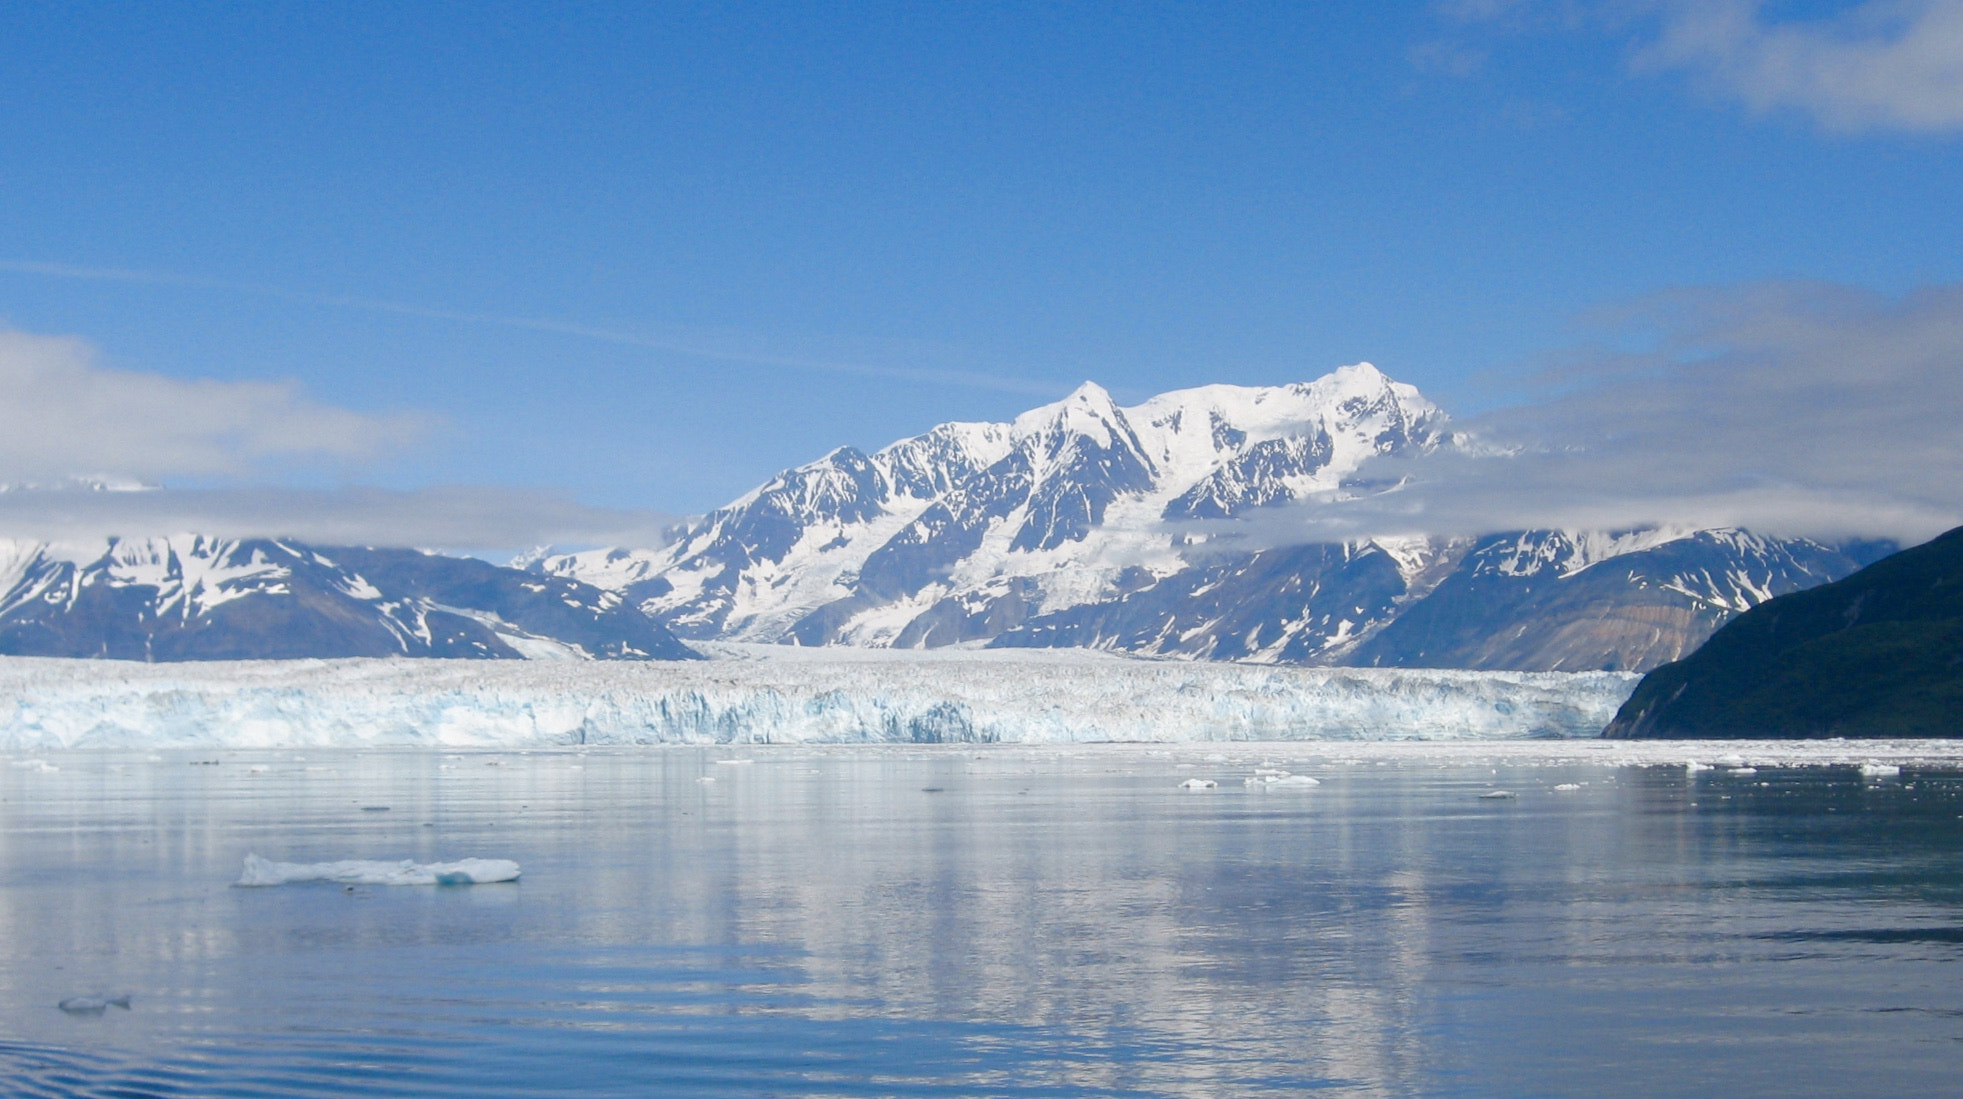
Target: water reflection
pixel 1003 921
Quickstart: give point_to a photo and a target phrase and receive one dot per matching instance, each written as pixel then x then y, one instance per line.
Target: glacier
pixel 769 694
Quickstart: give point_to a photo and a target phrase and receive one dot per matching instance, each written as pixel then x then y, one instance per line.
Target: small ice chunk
pixel 1692 766
pixel 40 765
pixel 93 1005
pixel 1294 780
pixel 706 779
pixel 1198 784
pixel 261 872
pixel 257 769
pixel 1568 787
pixel 1732 760
pixel 1744 770
pixel 1880 770
pixel 1216 757
pixel 1498 795
pixel 734 762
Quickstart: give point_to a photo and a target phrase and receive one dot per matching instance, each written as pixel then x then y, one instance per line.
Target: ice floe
pixel 93 1005
pixel 264 872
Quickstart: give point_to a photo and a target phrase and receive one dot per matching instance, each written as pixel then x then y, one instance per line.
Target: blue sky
pixel 638 257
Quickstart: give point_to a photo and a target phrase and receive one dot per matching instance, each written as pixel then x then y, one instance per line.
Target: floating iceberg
pixel 778 695
pixel 260 872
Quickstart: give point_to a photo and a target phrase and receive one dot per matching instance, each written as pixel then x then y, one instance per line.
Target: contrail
pixel 970 379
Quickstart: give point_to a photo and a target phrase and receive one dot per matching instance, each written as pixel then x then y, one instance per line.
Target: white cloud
pixel 1788 408
pixel 1874 65
pixel 1880 65
pixel 464 519
pixel 66 420
pixel 63 414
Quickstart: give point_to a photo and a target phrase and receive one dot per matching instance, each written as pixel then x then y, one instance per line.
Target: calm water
pixel 1003 922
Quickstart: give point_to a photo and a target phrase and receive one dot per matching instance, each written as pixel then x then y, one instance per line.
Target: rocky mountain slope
pixel 1879 653
pixel 1536 600
pixel 193 598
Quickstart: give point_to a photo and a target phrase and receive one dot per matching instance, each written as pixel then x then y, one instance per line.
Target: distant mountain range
pixel 1086 524
pixel 193 598
pixel 1157 529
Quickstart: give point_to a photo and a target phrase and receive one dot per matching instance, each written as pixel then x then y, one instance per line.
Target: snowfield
pixel 758 694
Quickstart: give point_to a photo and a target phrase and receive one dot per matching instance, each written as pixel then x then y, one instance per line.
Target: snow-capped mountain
pixel 196 598
pixel 1085 524
pixel 972 528
pixel 1535 600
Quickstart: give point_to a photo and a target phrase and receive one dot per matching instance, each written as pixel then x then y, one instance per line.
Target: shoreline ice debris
pixel 266 872
pixel 1265 779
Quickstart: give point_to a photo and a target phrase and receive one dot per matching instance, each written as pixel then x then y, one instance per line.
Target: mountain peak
pixel 1089 393
pixel 1088 410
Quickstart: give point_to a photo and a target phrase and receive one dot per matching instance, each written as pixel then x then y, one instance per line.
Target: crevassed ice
pixel 772 694
pixel 262 872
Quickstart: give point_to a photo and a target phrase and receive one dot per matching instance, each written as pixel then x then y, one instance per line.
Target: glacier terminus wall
pixel 778 694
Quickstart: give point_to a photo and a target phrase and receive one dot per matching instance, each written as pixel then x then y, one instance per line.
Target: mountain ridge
pixel 190 597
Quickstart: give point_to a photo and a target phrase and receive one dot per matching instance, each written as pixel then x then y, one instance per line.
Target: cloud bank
pixel 1880 65
pixel 63 414
pixel 470 519
pixel 66 420
pixel 1786 408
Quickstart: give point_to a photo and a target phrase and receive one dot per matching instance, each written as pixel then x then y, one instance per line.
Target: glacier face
pixel 777 694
